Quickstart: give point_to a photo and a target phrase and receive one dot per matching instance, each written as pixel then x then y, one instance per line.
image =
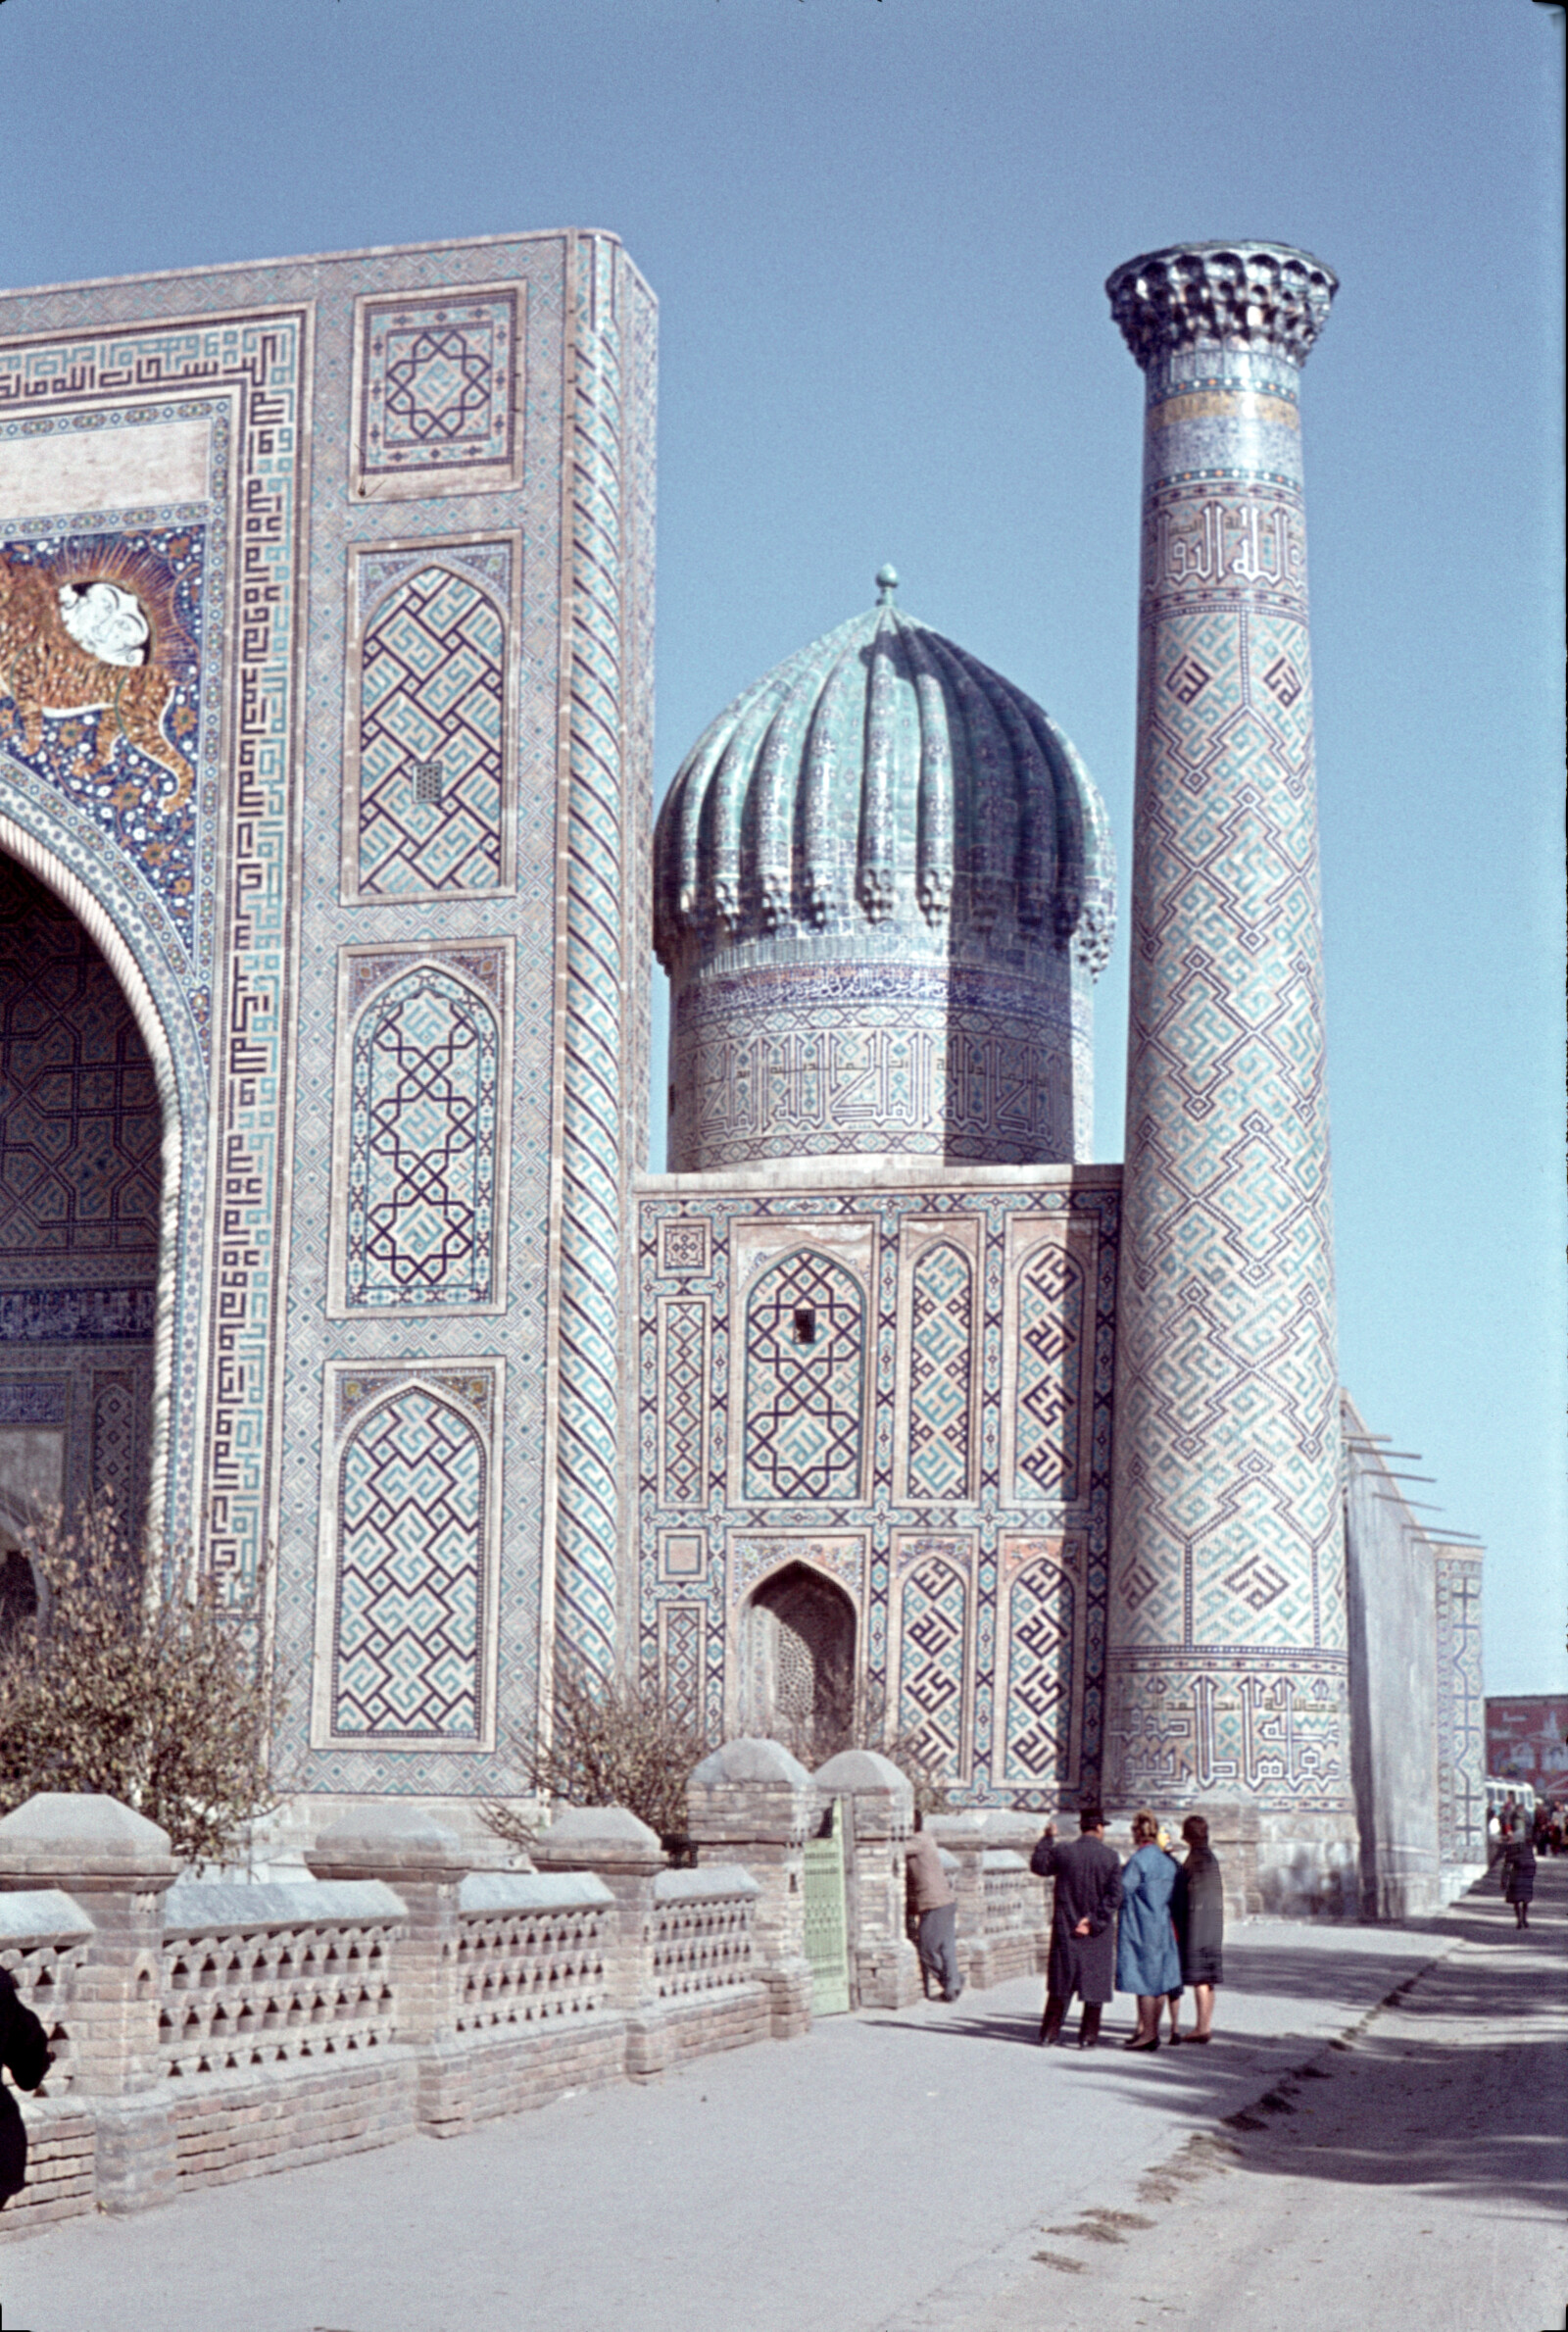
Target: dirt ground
pixel 1412 2174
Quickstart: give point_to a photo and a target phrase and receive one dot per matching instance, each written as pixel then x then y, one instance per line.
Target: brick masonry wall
pixel 282 2118
pixel 60 2166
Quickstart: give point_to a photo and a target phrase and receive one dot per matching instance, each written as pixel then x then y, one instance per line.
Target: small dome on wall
pixel 883 887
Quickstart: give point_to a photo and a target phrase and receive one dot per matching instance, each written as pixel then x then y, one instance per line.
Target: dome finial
pixel 887 582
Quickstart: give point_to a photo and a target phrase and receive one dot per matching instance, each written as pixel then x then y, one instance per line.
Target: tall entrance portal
pixel 80 1174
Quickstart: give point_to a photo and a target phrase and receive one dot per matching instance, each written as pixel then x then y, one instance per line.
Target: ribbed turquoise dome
pixel 883 886
pixel 882 776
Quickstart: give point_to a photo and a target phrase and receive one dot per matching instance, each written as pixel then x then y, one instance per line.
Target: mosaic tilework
pixel 99 1395
pixel 34 1401
pixel 805 1369
pixel 512 549
pixel 1461 1708
pixel 684 1409
pixel 77 1315
pixel 873 1539
pixel 1037 1709
pixel 411 1504
pixel 934 1603
pixel 680 1661
pixel 601 1071
pixel 438 392
pixel 840 1057
pixel 108 738
pixel 423 1143
pixel 431 744
pixel 1051 1322
pixel 940 1375
pixel 1228 1615
pixel 114 1440
pixel 238 377
pixel 275 371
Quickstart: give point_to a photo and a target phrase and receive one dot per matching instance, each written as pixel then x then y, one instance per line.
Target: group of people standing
pixel 1152 1926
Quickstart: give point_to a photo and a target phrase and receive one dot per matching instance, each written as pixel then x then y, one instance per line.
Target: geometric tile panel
pixel 423 1127
pixel 1037 1724
pixel 683 1246
pixel 941 1337
pixel 1051 1327
pixel 805 1363
pixel 114 1443
pixel 680 1669
pixel 933 1652
pixel 436 392
pixel 430 744
pixel 409 1573
pixel 685 1402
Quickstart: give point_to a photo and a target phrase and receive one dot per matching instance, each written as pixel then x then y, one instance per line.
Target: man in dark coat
pixel 24 2054
pixel 1083 1928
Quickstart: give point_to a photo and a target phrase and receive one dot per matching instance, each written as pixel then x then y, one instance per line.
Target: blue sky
pixel 878 231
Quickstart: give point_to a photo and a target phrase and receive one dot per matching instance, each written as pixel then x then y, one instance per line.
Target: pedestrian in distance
pixel 24 2053
pixel 1197 1908
pixel 934 1906
pixel 1083 1933
pixel 1148 1962
pixel 1519 1873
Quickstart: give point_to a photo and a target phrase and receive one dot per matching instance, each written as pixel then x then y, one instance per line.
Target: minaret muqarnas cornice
pixel 1227 1655
pixel 1267 298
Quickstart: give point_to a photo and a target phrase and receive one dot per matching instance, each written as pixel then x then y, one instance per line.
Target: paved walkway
pixel 904 2173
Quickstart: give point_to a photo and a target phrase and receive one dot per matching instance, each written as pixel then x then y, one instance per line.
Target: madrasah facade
pixel 329 893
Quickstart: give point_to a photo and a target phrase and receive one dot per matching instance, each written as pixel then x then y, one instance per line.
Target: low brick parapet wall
pixel 262 2027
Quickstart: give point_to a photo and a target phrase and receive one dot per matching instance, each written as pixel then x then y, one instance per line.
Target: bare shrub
pixel 615 1741
pixel 132 1679
pixel 909 1747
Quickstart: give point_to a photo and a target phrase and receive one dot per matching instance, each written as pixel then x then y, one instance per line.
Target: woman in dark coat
pixel 24 2054
pixel 1519 1875
pixel 1197 1907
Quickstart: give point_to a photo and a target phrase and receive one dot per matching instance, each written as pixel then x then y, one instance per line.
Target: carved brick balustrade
pixel 205 2032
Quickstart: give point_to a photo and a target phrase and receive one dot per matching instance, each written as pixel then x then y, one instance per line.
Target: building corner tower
pixel 1226 1658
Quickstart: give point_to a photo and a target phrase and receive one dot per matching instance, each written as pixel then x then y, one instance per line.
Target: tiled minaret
pixel 1226 1672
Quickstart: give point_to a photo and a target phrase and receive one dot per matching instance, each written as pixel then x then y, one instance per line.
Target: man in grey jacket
pixel 935 1907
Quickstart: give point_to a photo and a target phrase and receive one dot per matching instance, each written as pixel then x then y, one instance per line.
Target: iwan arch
pixel 326 689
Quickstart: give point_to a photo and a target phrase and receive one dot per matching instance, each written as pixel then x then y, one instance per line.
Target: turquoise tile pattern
pixel 979 1585
pixel 883 888
pixel 1228 1631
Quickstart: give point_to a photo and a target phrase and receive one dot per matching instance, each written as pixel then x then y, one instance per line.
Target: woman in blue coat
pixel 1148 1962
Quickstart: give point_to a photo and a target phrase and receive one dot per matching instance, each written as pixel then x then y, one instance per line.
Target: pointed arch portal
pixel 83 1216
